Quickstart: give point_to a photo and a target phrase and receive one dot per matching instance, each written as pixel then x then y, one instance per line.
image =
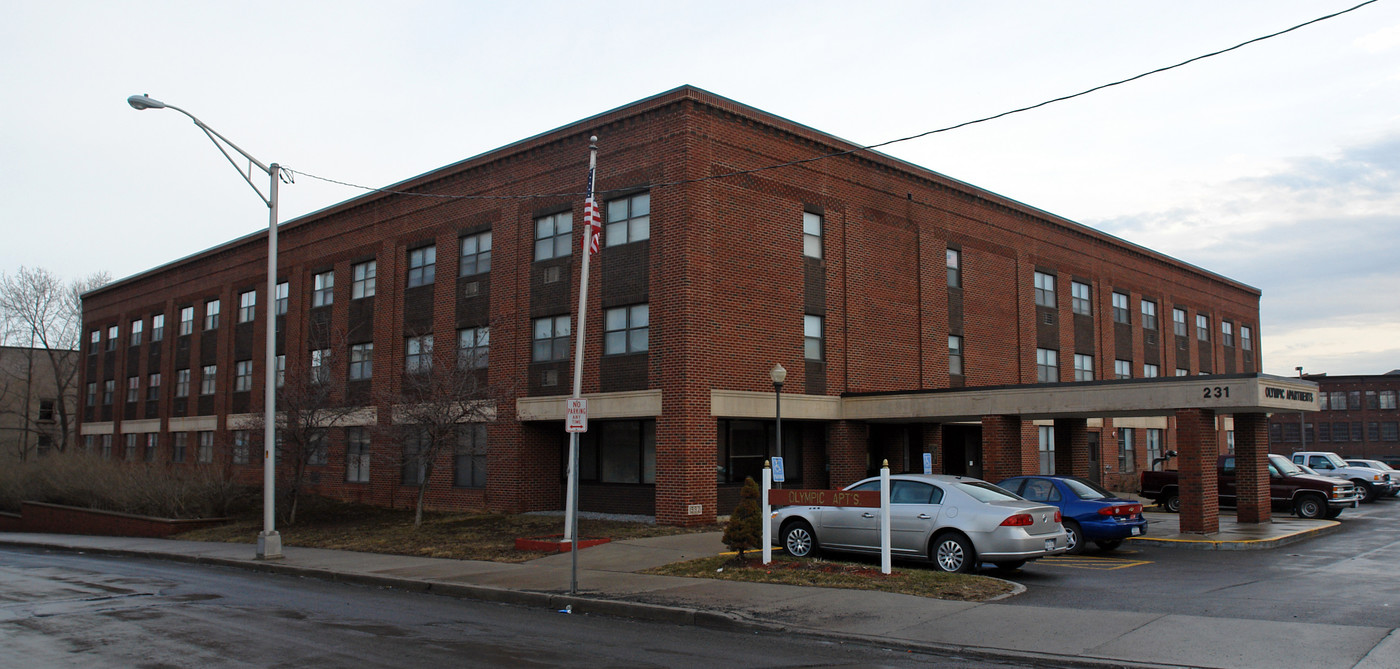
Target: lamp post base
pixel 269 545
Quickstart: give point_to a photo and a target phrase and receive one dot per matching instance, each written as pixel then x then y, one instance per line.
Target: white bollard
pixel 767 514
pixel 885 518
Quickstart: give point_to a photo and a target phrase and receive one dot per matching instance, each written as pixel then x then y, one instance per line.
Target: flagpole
pixel 590 226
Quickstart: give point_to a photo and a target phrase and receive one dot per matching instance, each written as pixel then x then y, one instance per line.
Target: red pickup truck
pixel 1306 495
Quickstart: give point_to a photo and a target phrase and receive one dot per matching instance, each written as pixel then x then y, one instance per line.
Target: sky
pixel 1277 165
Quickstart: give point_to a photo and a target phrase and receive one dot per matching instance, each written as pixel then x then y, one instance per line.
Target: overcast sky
pixel 1277 165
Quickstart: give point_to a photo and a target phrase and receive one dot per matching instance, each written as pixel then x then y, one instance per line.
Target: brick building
pixel 36 401
pixel 1358 418
pixel 708 275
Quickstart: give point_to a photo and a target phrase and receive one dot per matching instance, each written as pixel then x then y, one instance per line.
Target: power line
pixel 868 147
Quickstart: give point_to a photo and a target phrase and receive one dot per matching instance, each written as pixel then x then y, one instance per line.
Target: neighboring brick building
pixel 829 268
pixel 1358 419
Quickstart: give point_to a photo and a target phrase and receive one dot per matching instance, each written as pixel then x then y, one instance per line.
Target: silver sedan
pixel 955 522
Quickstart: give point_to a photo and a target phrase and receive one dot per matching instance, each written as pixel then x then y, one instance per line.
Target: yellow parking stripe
pixel 1092 562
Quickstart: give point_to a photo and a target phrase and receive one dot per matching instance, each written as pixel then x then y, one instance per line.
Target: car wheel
pixel 1310 506
pixel 1368 491
pixel 799 540
pixel 1109 544
pixel 1011 566
pixel 1074 537
pixel 1172 503
pixel 953 553
pixel 1333 513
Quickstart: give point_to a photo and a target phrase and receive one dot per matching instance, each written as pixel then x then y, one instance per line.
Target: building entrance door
pixel 962 450
pixel 1095 466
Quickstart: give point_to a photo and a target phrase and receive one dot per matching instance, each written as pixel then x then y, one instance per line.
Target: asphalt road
pixel 1345 578
pixel 62 609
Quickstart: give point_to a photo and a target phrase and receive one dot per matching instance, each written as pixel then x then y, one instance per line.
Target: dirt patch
pixel 836 574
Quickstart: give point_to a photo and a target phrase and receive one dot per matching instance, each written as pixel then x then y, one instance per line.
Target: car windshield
pixel 985 492
pixel 1335 459
pixel 1284 466
pixel 1086 490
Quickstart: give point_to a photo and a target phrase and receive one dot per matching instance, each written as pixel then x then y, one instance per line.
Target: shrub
pixel 745 528
pixel 86 480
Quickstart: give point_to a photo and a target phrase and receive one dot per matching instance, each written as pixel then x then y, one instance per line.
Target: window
pixel 152 445
pixel 629 219
pixel 1354 400
pixel 92 394
pixel 205 452
pixel 46 410
pixel 207 379
pixel 1044 290
pixel 955 355
pixel 1390 431
pixel 1047 365
pixel 1373 431
pixel 1339 401
pixel 554 236
pixel 318 450
pixel 157 327
pixel 211 315
pixel 109 388
pixel 356 455
pixel 476 254
pixel 812 235
pixel 1324 431
pixel 106 447
pixel 1047 449
pixel 1179 322
pixel 954 268
pixel 1122 369
pixel 186 321
pixel 1154 444
pixel 1079 298
pixel 281 370
pixel 624 451
pixel 474 348
pixel 320 365
pixel 1127 459
pixel 1149 315
pixel 1356 431
pixel 551 339
pixel 362 279
pixel 242 376
pixel 1202 327
pixel 282 291
pixel 1322 401
pixel 1227 333
pixel 418 355
pixel 95 341
pixel 1150 371
pixel 241 441
pixel 626 330
pixel 112 333
pixel 812 337
pixel 1372 400
pixel 133 447
pixel 469 459
pixel 412 465
pixel 322 289
pixel 136 333
pixel 153 387
pixel 1183 372
pixel 1083 367
pixel 422 266
pixel 1120 308
pixel 178 446
pixel 133 389
pixel 361 361
pixel 1246 338
pixel 247 305
pixel 1387 399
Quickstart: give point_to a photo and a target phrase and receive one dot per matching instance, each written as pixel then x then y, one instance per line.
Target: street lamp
pixel 1302 426
pixel 269 541
pixel 778 375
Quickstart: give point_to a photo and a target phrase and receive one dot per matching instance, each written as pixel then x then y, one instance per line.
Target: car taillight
pixel 1058 518
pixel 1021 520
pixel 1120 510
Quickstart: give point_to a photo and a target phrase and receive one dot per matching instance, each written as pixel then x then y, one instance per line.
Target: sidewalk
pixel 609 585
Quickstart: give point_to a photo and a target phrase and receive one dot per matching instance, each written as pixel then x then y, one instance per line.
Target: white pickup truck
pixel 1372 483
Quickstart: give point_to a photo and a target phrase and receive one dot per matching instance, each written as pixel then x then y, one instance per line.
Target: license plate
pixel 1049 544
pixel 1137 531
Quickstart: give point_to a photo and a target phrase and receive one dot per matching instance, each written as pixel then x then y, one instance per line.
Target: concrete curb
pixel 582 604
pixel 1202 544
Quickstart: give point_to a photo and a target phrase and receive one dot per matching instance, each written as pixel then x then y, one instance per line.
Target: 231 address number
pixel 1210 392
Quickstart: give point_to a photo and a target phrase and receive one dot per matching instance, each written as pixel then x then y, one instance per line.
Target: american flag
pixel 592 221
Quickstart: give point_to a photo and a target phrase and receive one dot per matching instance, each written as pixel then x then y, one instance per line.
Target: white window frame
pixel 422 266
pixel 955 355
pixel 812 225
pixel 1081 301
pixel 475 254
pixel 1122 369
pixel 208 379
pixel 1149 314
pixel 363 279
pixel 418 355
pixel 550 338
pixel 1047 365
pixel 627 329
pixel 361 361
pixel 1083 367
pixel 474 348
pixel 1045 290
pixel 211 315
pixel 323 289
pixel 813 337
pixel 247 306
pixel 629 219
pixel 243 376
pixel 186 321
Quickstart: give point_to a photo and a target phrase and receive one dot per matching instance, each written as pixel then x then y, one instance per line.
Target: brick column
pixel 1252 467
pixel 1196 455
pixel 847 447
pixel 932 444
pixel 1072 447
pixel 1009 447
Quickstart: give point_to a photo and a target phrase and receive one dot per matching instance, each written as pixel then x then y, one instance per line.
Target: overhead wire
pixel 858 149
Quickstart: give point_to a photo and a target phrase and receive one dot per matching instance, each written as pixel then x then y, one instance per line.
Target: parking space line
pixel 1092 562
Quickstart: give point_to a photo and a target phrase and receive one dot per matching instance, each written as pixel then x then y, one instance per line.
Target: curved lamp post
pixel 269 541
pixel 778 374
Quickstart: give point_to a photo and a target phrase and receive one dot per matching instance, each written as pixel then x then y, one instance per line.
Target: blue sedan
pixel 1090 512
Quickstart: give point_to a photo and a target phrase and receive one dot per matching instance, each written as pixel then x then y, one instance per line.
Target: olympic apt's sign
pixel 871 499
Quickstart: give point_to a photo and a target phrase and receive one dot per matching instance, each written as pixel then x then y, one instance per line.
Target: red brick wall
pixel 57 519
pixel 1196 459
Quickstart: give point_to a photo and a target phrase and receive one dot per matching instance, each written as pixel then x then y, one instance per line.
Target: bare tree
pixel 38 306
pixel 439 409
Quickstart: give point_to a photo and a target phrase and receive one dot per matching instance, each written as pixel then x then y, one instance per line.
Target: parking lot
pixel 1347 577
